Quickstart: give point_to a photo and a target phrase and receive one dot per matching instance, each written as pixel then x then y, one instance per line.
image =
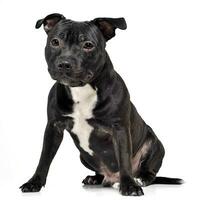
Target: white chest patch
pixel 85 99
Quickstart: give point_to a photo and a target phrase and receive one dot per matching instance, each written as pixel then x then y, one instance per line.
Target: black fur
pixel 118 128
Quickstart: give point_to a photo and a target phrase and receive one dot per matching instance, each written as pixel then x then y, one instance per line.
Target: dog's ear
pixel 108 25
pixel 49 21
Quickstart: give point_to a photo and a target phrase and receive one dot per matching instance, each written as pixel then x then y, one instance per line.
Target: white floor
pixel 76 190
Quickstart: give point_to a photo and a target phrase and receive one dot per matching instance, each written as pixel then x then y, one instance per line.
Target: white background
pixel 157 56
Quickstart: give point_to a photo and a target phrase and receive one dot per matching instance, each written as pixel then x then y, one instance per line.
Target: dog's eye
pixel 55 42
pixel 88 46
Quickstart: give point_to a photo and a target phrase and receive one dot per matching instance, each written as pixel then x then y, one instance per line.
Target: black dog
pixel 91 101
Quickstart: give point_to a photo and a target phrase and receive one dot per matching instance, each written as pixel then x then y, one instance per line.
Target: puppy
pixel 91 101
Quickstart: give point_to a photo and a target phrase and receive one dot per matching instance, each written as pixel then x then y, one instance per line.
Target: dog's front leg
pixel 52 139
pixel 123 148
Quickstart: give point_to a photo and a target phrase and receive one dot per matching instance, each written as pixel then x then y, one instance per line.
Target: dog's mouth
pixel 69 80
pixel 71 83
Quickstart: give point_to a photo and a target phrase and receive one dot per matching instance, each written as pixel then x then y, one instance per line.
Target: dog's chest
pixel 85 99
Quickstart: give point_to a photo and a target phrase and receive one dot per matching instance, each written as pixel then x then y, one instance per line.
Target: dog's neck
pixel 105 73
pixel 104 80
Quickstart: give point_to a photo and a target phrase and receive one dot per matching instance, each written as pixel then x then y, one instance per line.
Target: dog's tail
pixel 166 180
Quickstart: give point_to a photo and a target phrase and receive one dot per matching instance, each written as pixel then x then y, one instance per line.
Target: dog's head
pixel 75 51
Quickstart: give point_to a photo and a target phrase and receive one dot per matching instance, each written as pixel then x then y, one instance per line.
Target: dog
pixel 91 101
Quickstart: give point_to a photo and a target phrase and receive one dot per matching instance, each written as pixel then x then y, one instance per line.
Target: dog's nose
pixel 65 65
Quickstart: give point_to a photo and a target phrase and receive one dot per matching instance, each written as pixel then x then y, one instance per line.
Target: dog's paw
pixel 33 185
pixel 128 188
pixel 107 183
pixel 93 180
pixel 131 190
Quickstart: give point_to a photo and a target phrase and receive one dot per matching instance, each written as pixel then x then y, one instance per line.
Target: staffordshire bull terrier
pixel 91 101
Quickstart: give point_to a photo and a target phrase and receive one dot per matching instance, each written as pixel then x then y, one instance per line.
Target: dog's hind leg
pixel 96 179
pixel 151 164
